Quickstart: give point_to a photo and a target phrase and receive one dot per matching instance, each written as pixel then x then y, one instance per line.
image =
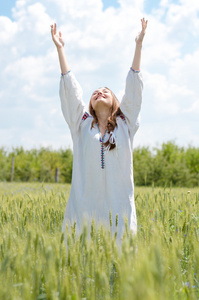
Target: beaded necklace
pixel 101 139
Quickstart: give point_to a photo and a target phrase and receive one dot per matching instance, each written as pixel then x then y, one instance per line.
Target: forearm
pixel 62 60
pixel 137 57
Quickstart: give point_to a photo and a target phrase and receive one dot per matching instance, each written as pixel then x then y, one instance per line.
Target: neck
pixel 102 117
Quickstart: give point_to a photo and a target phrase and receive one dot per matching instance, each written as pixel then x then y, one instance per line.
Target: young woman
pixel 102 179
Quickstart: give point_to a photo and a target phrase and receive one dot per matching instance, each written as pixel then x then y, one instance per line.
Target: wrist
pixel 60 48
pixel 139 44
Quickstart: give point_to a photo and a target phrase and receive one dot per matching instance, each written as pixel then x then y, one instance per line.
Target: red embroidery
pixel 85 116
pixel 123 117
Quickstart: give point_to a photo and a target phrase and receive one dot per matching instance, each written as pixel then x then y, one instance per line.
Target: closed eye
pixel 104 91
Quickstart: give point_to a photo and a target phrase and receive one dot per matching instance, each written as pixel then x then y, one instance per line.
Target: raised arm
pixel 59 43
pixel 132 99
pixel 70 91
pixel 138 48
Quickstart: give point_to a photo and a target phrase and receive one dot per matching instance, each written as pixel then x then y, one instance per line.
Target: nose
pixel 99 93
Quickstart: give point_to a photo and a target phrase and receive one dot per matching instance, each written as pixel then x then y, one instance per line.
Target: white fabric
pixel 96 191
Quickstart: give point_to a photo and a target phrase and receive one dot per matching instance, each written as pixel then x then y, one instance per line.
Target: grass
pixel 161 262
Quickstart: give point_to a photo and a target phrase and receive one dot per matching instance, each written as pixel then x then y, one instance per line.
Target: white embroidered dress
pixel 102 180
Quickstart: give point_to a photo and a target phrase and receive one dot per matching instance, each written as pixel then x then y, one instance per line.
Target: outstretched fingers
pixel 141 34
pixel 53 30
pixel 144 24
pixel 56 36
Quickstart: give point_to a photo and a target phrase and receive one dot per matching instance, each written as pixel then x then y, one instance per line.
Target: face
pixel 101 97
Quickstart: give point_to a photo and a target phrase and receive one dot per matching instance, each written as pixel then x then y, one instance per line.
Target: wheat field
pixel 161 262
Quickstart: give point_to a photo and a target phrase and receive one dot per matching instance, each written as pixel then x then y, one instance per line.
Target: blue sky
pixel 6 6
pixel 99 38
pixel 109 3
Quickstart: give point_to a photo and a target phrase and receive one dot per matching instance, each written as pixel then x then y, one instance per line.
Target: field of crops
pixel 161 262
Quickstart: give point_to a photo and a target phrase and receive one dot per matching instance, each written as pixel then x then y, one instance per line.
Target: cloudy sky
pixel 99 43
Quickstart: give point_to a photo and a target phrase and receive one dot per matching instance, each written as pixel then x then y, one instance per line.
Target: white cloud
pixel 99 47
pixel 8 30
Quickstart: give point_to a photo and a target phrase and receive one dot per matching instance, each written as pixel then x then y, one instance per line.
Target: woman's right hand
pixel 57 38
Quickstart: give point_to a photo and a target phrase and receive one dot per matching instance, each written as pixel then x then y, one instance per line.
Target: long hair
pixel 111 122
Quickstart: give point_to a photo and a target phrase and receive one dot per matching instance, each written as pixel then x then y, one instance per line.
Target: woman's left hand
pixel 140 36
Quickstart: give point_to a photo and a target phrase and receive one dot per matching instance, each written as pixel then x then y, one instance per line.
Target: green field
pixel 161 262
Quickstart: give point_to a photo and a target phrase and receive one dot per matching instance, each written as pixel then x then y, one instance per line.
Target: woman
pixel 102 179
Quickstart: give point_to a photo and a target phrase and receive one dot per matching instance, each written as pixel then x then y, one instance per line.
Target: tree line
pixel 168 165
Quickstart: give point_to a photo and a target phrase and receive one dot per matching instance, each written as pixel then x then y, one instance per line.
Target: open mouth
pixel 99 97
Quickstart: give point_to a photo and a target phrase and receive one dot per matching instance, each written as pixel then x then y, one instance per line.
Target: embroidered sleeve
pixel 72 104
pixel 131 101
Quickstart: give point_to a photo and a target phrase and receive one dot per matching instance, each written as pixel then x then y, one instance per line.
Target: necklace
pixel 101 139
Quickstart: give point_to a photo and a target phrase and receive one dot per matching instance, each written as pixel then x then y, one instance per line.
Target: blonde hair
pixel 111 122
